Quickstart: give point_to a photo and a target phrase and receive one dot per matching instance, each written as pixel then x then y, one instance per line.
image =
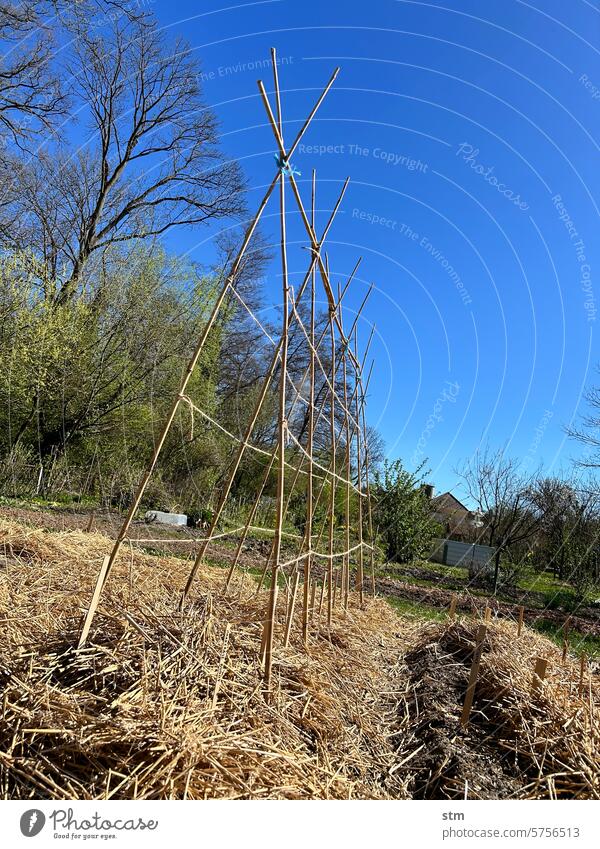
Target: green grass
pixel 415 609
pixel 542 582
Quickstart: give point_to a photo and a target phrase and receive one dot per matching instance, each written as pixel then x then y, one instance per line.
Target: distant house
pixel 458 522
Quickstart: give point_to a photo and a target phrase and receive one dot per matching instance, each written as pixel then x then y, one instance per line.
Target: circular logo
pixel 32 822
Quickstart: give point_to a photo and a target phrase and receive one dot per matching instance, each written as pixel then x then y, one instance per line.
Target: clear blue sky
pixel 460 124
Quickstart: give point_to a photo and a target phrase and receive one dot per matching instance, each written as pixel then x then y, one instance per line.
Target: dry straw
pixel 164 703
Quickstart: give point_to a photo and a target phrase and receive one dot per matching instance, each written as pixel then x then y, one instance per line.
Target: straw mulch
pixel 518 744
pixel 163 704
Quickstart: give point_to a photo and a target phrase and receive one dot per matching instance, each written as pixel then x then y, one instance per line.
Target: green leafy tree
pixel 402 512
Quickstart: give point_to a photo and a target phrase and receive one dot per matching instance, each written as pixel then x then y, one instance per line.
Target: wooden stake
pixel 541 664
pixel 469 695
pixel 582 666
pixel 520 623
pixel 90 523
pixel 487 613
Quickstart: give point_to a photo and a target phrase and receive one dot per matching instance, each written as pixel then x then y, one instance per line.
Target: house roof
pixel 449 502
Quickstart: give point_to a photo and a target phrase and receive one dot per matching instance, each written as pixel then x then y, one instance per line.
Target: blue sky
pixel 470 134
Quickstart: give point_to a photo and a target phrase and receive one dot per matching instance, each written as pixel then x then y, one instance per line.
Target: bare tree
pixel 504 495
pixel 588 431
pixel 152 162
pixel 31 96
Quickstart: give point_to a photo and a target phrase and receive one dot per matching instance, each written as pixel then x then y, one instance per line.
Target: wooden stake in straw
pixel 520 623
pixel 466 711
pixel 539 673
pixel 487 614
pixel 90 523
pixel 453 603
pixel 582 666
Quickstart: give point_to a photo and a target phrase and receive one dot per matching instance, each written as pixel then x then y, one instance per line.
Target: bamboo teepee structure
pixel 347 470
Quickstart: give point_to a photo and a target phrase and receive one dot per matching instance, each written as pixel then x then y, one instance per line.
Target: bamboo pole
pixel 470 693
pixel 359 571
pixel 310 437
pixel 333 469
pixel 314 349
pixel 453 603
pixel 282 425
pixel 249 521
pixel 285 158
pixel 290 613
pixel 367 473
pixel 175 404
pixel 95 597
pixel 346 426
